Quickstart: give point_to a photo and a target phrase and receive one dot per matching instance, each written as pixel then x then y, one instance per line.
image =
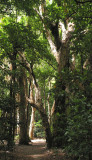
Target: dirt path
pixel 35 151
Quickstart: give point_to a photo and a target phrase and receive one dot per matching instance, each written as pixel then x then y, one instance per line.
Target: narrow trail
pixel 36 150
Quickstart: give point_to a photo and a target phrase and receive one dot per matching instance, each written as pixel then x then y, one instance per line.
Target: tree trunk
pixel 31 128
pixel 13 98
pixel 23 137
pixel 14 93
pixel 44 95
pixel 46 128
pixel 60 50
pixel 49 109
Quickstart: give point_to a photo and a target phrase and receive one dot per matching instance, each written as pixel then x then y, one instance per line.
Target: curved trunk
pixel 37 104
pixel 46 128
pixel 44 117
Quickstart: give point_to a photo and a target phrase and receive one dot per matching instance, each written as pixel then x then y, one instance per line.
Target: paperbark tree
pixel 60 49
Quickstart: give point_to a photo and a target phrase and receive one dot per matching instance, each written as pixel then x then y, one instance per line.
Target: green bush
pixel 79 130
pixel 6 120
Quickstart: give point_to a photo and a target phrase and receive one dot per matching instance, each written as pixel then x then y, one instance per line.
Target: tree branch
pixel 49 64
pixel 81 2
pixel 28 67
pixel 34 76
pixel 69 16
pixel 37 106
pixel 33 104
pixel 41 17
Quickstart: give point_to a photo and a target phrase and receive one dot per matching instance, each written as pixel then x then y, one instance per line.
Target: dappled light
pixel 45 80
pixel 35 150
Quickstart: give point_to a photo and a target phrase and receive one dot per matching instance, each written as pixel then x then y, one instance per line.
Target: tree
pixel 24 137
pixel 59 29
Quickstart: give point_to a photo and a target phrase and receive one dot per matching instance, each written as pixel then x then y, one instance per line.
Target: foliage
pixel 38 128
pixel 79 129
pixel 23 30
pixel 6 120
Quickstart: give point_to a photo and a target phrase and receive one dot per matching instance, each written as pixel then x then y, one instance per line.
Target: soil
pixel 36 150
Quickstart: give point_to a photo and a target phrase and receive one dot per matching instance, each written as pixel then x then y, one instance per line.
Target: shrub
pixel 79 130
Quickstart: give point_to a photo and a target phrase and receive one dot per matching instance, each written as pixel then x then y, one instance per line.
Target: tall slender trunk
pixel 13 98
pixel 23 137
pixel 31 127
pixel 49 109
pixel 14 93
pixel 44 96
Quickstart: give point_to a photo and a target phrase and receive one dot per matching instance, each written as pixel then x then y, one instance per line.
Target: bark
pixel 44 96
pixel 14 93
pixel 53 108
pixel 13 97
pixel 49 110
pixel 31 127
pixel 60 50
pixel 23 137
pixel 46 128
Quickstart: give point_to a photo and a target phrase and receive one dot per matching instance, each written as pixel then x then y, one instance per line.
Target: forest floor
pixel 36 150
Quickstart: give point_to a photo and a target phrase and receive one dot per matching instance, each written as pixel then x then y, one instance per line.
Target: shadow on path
pixel 36 150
